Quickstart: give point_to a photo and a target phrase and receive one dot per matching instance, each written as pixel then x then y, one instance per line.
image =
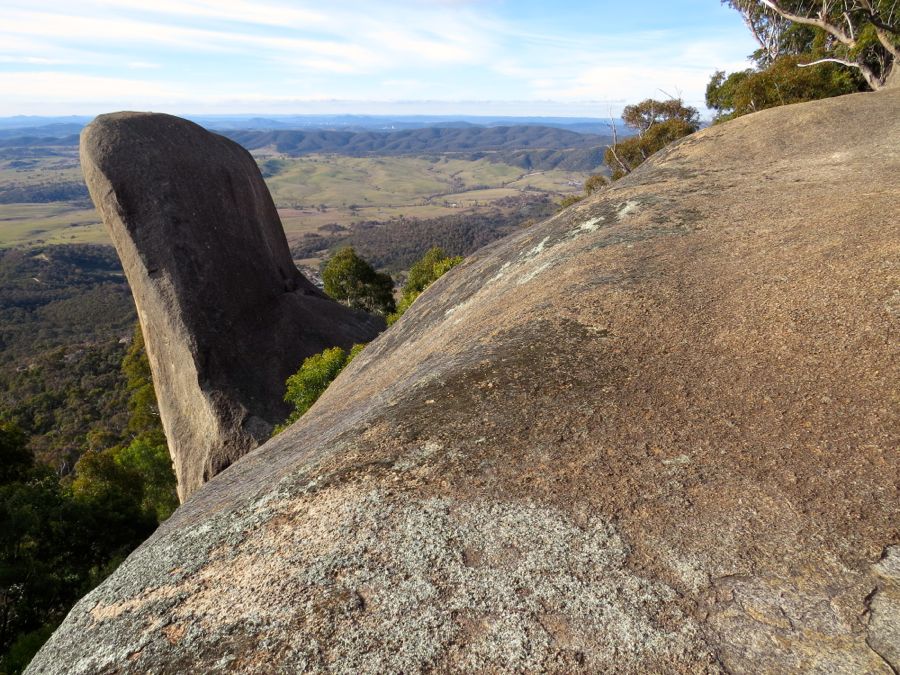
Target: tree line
pixel 395 245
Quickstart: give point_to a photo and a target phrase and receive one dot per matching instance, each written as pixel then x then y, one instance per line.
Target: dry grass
pixel 310 192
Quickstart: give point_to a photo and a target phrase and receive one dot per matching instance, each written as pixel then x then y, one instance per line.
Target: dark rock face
pixel 683 458
pixel 225 313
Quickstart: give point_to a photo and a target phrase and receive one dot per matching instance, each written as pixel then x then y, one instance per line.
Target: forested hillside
pixel 530 147
pixel 59 295
pixel 64 531
pixel 85 474
pixel 395 245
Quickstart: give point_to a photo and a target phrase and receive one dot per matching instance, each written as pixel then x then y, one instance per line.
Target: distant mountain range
pixel 29 125
pixel 586 125
pixel 415 141
pixel 529 146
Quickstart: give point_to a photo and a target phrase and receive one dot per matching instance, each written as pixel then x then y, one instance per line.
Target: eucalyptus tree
pixel 860 34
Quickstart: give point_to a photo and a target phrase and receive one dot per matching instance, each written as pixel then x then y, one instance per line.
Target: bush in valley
pixel 425 272
pixel 569 200
pixel 594 183
pixel 395 245
pixel 352 281
pixel 304 387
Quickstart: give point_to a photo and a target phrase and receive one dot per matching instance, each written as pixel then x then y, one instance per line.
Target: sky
pixel 491 57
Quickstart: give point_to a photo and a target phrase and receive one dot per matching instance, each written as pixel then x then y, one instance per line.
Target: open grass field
pixel 52 223
pixel 310 192
pixel 32 171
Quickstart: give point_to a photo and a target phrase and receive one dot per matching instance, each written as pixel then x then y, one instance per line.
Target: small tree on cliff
pixel 594 183
pixel 657 123
pixel 304 387
pixel 351 280
pixel 433 265
pixel 863 35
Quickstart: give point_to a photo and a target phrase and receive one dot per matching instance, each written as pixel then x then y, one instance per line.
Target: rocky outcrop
pixel 683 458
pixel 226 315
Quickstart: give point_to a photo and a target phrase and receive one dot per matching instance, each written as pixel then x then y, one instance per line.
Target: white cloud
pixel 61 86
pixel 261 13
pixel 202 51
pixel 32 60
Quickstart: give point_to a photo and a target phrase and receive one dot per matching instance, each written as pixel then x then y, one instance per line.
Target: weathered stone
pixel 683 458
pixel 226 315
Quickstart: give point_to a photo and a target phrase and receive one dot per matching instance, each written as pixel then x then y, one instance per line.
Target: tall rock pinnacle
pixel 226 315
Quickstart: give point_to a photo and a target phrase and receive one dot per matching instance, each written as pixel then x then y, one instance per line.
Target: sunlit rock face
pixel 656 433
pixel 225 313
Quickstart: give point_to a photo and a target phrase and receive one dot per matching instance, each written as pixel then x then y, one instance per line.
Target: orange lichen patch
pixel 174 632
pixel 101 612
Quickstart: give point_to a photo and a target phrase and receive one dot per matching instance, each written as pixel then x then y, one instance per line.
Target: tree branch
pixel 849 25
pixel 808 21
pixel 871 78
pixel 765 45
pixel 886 42
pixel 843 62
pixel 612 148
pixel 877 21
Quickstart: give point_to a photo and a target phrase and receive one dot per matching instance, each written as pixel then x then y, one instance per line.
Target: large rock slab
pixel 657 433
pixel 226 315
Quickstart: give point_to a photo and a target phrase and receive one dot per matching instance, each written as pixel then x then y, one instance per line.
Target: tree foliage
pixel 351 280
pixel 781 83
pixel 594 183
pixel 62 535
pixel 318 371
pixel 15 459
pixel 650 113
pixel 569 200
pixel 657 124
pixel 433 265
pixel 57 541
pixel 312 379
pixel 809 50
pixel 152 462
pixel 143 419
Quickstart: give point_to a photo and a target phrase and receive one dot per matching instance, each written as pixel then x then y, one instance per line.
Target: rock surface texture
pixel 657 433
pixel 226 315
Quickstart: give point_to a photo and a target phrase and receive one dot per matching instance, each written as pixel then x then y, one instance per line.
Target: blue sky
pixel 524 57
